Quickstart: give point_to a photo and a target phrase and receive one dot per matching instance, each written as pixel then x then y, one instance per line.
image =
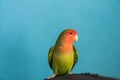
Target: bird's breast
pixel 64 59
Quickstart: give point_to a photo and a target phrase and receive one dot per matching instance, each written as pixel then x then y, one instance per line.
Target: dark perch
pixel 82 76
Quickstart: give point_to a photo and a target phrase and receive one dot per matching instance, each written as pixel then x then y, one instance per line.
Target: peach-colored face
pixel 70 36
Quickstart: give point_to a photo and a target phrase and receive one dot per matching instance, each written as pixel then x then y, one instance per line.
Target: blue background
pixel 28 28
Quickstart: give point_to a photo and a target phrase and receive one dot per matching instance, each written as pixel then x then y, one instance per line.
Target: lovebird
pixel 63 56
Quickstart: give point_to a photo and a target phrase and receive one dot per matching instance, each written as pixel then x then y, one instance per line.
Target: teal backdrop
pixel 28 28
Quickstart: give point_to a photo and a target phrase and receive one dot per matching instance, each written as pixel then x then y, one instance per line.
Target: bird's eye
pixel 70 33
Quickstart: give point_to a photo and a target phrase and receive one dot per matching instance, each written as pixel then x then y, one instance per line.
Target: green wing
pixel 50 54
pixel 75 56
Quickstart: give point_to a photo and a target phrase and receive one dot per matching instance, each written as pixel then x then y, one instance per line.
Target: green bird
pixel 63 56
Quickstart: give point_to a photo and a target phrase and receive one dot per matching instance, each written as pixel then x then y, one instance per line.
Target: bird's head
pixel 69 36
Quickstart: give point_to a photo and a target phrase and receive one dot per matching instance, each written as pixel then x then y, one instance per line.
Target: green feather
pixel 57 61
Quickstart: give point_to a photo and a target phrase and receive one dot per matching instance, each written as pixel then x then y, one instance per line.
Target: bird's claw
pixel 69 73
pixel 53 76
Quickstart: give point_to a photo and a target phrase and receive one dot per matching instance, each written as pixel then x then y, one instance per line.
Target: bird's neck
pixel 64 48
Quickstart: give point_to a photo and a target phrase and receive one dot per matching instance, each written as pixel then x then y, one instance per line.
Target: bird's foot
pixel 69 73
pixel 53 76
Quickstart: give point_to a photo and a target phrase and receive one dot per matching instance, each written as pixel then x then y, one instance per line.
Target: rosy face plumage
pixel 70 36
